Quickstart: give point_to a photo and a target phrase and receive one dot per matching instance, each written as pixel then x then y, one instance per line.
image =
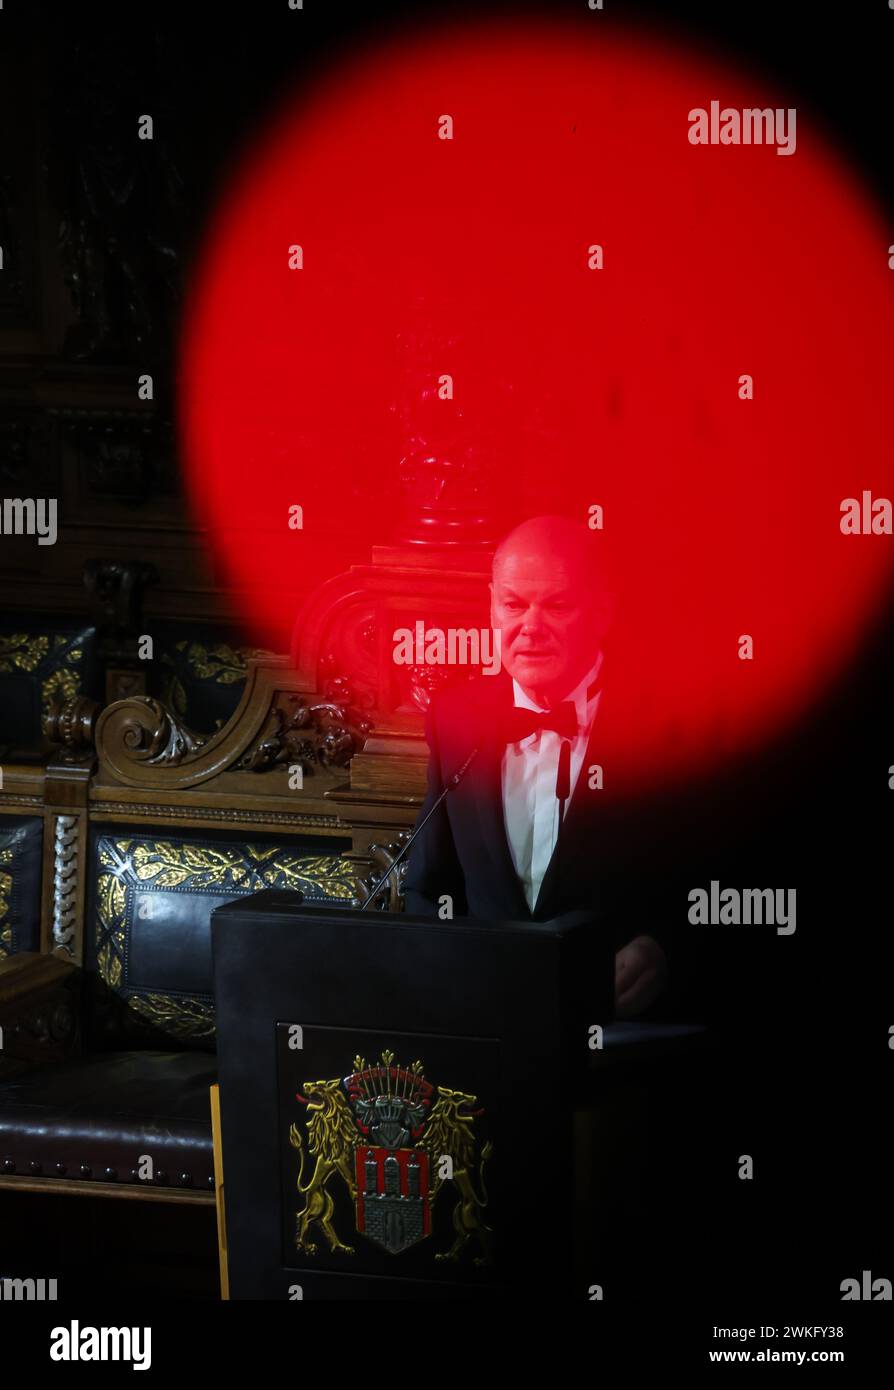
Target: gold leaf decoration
pixel 132 866
pixel 111 898
pixel 185 1018
pixel 109 965
pixel 259 853
pixel 56 667
pixel 66 684
pixel 219 662
pixel 20 651
pixel 5 894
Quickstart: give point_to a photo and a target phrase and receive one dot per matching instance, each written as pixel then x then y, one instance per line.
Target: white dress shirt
pixel 530 804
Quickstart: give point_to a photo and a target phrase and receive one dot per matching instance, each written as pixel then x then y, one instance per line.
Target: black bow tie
pixel 520 723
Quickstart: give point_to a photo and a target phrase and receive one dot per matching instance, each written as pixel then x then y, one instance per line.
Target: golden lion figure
pixel 450 1133
pixel 332 1137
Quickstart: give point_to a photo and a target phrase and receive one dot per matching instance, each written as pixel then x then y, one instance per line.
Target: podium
pixel 397 1097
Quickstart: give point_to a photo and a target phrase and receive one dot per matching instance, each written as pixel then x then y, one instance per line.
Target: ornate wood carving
pixel 345 629
pixel 69 723
pixel 301 733
pixel 121 197
pixel 390 880
pixel 66 865
pixel 122 454
pixel 124 683
pixel 279 721
pixel 151 733
pixel 38 1011
pixel 25 442
pixel 425 680
pixel 14 305
pixel 51 1022
pixel 116 590
pixel 228 815
pixel 56 661
pixel 446 473
pixel 15 801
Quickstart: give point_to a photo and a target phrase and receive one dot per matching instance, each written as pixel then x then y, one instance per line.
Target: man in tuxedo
pixel 529 833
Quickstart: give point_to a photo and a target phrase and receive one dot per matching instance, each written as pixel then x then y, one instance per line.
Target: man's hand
pixel 640 975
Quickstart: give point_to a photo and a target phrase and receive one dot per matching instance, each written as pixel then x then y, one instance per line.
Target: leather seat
pixel 139 1090
pixel 97 1116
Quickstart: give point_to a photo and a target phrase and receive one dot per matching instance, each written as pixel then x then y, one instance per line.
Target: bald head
pixel 556 536
pixel 549 601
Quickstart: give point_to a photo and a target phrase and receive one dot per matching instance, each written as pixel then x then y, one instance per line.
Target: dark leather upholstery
pixel 147 985
pixel 21 846
pixel 148 946
pixel 95 1117
pixel 46 659
pixel 200 675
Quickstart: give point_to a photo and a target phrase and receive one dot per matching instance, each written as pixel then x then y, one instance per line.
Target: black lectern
pixel 397 1096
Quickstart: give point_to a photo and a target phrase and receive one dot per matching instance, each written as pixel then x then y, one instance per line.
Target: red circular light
pixel 616 387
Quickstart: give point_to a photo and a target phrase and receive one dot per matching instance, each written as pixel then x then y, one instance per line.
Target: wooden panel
pixel 78 1187
pixel 219 1191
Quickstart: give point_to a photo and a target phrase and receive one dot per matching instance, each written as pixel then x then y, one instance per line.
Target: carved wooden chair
pixel 105 998
pixel 116 848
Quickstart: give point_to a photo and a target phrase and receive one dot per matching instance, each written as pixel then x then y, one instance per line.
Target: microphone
pixel 563 791
pixel 451 782
pixel 563 778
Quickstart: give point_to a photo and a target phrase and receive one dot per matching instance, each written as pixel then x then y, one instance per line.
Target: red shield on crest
pixel 392 1206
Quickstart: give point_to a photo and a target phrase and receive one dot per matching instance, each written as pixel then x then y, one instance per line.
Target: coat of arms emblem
pixel 396 1142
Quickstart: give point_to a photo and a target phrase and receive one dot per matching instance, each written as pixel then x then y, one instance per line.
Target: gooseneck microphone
pixel 451 782
pixel 563 778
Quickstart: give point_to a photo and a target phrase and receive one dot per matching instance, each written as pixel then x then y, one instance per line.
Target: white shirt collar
pixel 583 708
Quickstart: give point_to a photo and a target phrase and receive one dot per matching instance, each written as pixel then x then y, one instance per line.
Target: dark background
pixel 807 1087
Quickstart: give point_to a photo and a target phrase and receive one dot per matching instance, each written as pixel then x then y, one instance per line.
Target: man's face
pixel 550 624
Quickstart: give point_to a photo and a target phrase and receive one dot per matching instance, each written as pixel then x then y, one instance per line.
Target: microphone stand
pixel 563 791
pixel 452 782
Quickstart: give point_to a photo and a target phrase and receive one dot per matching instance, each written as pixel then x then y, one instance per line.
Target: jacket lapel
pixel 485 781
pixel 569 855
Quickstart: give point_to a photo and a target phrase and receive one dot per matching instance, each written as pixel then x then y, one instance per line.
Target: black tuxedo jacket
pixel 612 853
